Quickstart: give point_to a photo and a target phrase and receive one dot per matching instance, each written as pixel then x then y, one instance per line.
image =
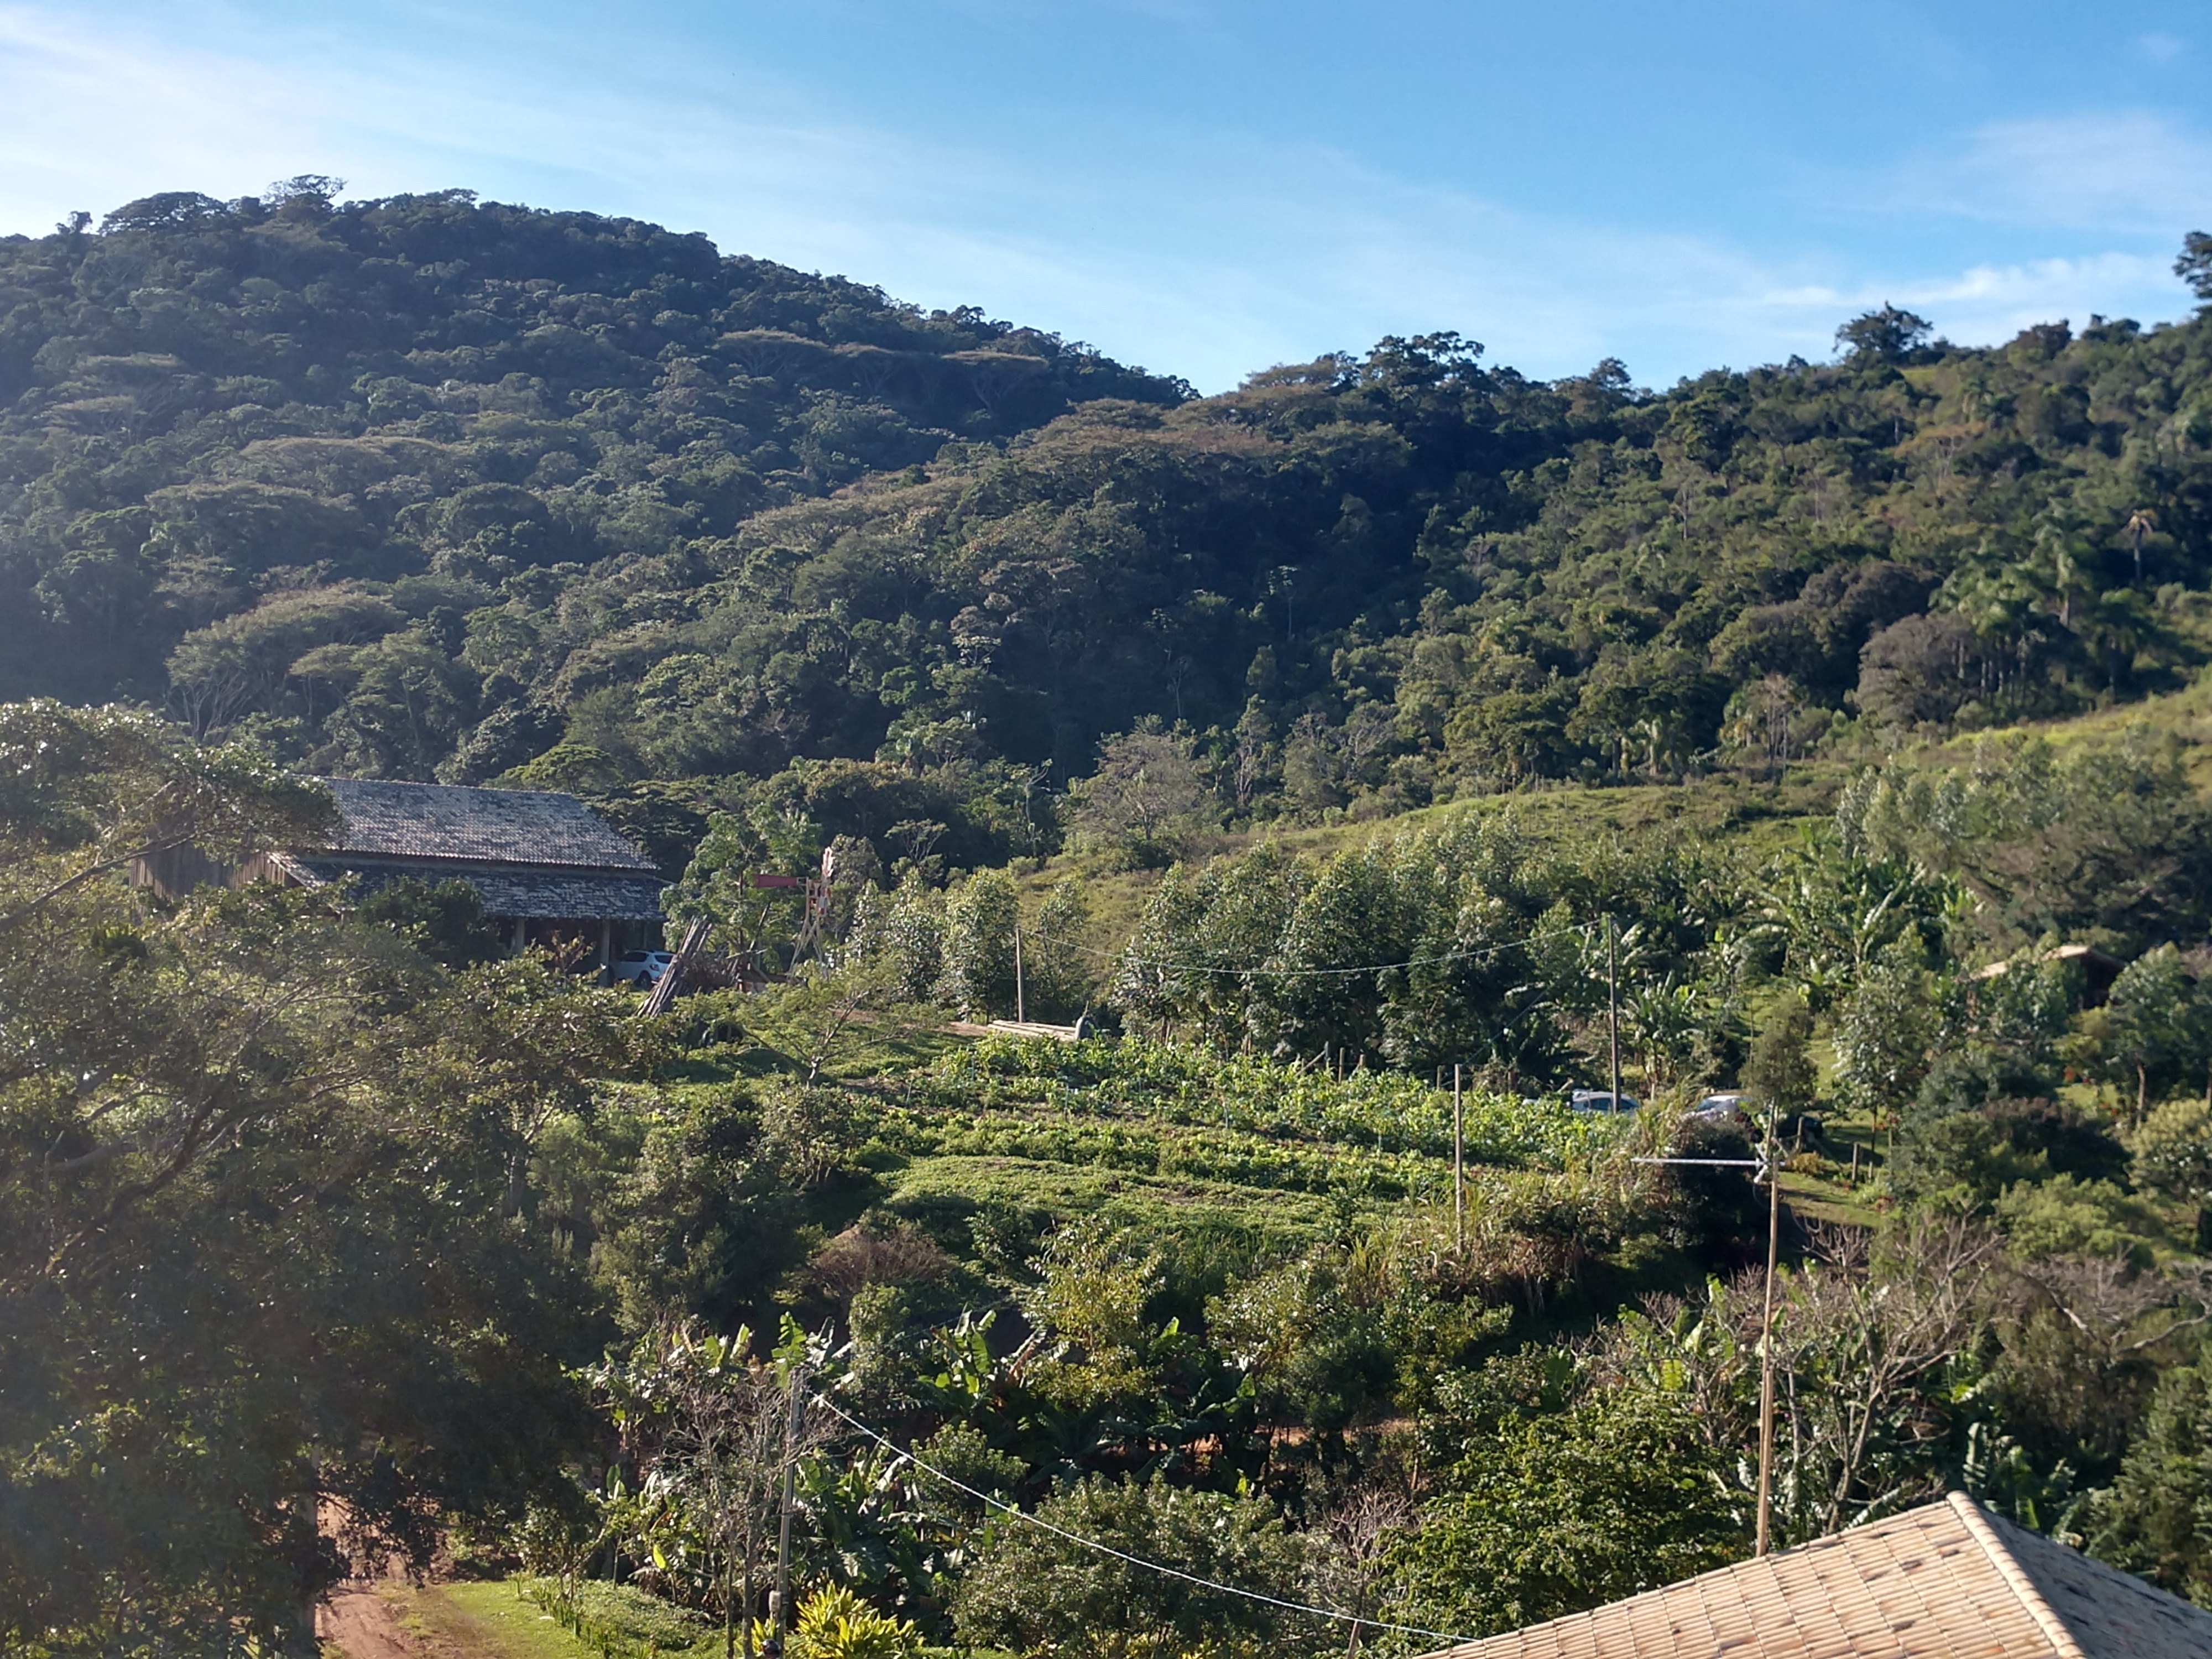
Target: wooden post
pixel 783 1533
pixel 1766 1337
pixel 1459 1166
pixel 1021 1007
pixel 1769 1165
pixel 1612 1009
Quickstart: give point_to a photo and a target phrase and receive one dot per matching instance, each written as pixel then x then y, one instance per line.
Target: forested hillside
pixel 212 404
pixel 423 486
pixel 328 1237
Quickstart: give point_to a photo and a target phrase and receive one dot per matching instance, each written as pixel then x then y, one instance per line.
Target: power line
pixel 1122 1555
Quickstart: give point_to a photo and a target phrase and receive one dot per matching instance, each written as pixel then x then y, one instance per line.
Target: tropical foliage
pixel 1292 1304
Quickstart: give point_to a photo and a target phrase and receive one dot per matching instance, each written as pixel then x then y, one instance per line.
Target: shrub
pixel 620 1621
pixel 1967 1156
pixel 2153 1519
pixel 1039 1592
pixel 1553 1511
pixel 2173 1152
pixel 834 1624
pixel 2065 1216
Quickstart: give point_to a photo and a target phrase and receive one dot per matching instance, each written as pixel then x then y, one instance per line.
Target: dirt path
pixel 361 1624
pixel 391 1618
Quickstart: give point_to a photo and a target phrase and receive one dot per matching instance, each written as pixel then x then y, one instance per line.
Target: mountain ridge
pixel 429 487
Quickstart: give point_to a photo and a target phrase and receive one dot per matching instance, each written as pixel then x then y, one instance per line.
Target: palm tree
pixel 2064 551
pixel 2140 524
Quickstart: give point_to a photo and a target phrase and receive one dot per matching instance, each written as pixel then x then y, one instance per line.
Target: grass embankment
pixel 2184 717
pixel 503 1619
pixel 1757 814
pixel 1823 1186
pixel 1763 815
pixel 492 1618
pixel 487 1620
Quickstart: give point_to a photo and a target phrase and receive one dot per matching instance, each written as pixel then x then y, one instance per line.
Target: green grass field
pixel 475 1620
pixel 494 1619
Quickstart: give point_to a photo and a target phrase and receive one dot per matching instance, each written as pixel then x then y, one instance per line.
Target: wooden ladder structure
pixel 671 979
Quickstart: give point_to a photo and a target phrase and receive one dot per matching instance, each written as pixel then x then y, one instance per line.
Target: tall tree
pixel 254 1263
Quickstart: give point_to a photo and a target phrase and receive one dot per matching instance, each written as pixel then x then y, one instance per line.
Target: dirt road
pixel 361 1624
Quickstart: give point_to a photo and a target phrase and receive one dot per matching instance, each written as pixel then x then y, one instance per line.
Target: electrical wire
pixel 1123 1555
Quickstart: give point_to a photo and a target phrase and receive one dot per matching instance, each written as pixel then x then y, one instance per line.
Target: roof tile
pixel 505 826
pixel 1945 1581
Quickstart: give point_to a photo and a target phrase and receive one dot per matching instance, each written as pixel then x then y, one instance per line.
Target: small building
pixel 545 866
pixel 1944 1581
pixel 2099 969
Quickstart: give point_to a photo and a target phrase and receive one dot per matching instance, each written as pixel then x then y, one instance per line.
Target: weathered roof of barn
pixel 543 893
pixel 1945 1581
pixel 477 826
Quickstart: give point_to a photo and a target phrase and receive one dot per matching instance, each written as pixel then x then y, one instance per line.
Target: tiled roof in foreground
pixel 484 826
pixel 1945 1580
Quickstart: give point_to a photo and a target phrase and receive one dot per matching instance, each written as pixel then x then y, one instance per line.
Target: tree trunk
pixel 746 1590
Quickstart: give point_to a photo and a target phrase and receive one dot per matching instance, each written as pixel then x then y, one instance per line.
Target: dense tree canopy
pixel 428 487
pixel 255 1162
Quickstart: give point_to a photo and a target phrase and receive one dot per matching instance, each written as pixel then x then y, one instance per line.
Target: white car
pixel 1725 1108
pixel 1600 1100
pixel 643 969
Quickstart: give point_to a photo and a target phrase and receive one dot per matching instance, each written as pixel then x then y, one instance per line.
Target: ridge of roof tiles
pixel 1945 1581
pixel 504 826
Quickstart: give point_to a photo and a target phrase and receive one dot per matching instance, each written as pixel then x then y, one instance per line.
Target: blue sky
pixel 1210 186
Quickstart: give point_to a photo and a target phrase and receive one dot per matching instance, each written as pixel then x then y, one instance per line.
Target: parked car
pixel 1724 1108
pixel 643 969
pixel 1600 1100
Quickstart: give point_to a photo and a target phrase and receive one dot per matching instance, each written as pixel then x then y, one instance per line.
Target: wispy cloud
pixel 1986 304
pixel 2126 171
pixel 1193 250
pixel 90 120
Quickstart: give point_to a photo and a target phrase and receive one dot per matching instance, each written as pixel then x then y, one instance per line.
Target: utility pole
pixel 1766 1330
pixel 1021 1008
pixel 1459 1166
pixel 798 1376
pixel 1766 1168
pixel 1613 1008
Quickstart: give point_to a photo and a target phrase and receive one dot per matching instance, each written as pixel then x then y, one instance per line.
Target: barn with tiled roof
pixel 545 866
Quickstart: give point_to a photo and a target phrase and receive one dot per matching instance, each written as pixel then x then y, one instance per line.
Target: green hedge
pixel 619 1621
